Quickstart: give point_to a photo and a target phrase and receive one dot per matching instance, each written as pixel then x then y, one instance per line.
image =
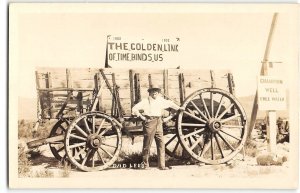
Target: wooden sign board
pixel 271 93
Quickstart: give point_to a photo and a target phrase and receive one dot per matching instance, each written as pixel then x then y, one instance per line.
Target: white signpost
pixel 271 97
pixel 271 93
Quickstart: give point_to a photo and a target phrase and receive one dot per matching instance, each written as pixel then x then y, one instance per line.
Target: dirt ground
pixel 239 166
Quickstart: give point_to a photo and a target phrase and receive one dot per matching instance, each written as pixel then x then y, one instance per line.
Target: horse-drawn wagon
pixel 93 111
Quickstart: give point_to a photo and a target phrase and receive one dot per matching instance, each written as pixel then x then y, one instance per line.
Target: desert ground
pixel 39 162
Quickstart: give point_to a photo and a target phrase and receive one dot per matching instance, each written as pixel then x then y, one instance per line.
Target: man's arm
pixel 171 104
pixel 136 110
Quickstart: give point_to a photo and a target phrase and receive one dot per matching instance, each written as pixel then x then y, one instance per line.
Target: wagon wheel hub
pixel 94 141
pixel 214 125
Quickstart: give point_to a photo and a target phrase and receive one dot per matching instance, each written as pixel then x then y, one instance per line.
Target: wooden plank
pixel 37 80
pixel 148 71
pixel 66 89
pixel 84 83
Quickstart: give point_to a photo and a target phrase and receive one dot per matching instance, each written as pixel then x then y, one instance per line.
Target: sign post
pixel 271 97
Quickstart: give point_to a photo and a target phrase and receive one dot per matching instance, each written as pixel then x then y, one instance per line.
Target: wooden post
pixel 212 78
pixel 150 80
pixel 181 88
pixel 272 131
pixel 50 94
pixel 263 71
pixel 137 88
pixel 69 78
pixel 166 83
pixel 231 85
pixel 131 81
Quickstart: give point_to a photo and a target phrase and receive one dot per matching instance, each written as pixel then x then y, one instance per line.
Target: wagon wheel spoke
pixel 104 131
pixel 219 107
pixel 86 125
pixel 200 131
pixel 57 148
pixel 205 148
pixel 219 146
pixel 172 138
pixel 106 152
pixel 79 153
pixel 226 142
pixel 101 124
pixel 63 129
pixel 196 143
pixel 205 107
pixel 193 116
pixel 93 124
pixel 199 111
pixel 225 111
pixel 109 145
pixel 237 138
pixel 77 145
pixel 175 148
pixel 60 149
pixel 190 141
pixel 212 147
pixel 78 137
pixel 211 104
pixel 86 157
pixel 193 125
pixel 80 130
pixel 100 157
pixel 230 118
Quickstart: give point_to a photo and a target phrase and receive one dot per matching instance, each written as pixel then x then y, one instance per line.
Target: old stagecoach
pixel 93 111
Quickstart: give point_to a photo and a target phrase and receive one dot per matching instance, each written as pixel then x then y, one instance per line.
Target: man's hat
pixel 154 87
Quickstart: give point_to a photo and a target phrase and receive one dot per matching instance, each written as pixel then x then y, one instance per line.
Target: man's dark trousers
pixel 153 129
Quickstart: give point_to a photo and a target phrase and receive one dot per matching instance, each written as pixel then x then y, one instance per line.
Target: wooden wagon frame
pixel 93 110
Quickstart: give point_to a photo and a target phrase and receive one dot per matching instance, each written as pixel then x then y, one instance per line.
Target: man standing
pixel 152 108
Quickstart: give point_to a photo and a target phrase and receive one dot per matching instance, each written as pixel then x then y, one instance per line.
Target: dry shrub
pixel 24 163
pixel 66 169
pixel 26 129
pixel 44 174
pixel 250 148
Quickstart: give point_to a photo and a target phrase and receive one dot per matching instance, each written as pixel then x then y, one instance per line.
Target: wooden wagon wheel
pixel 173 147
pixel 93 141
pixel 58 148
pixel 212 128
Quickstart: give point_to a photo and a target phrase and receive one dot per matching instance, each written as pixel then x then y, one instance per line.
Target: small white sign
pixel 271 93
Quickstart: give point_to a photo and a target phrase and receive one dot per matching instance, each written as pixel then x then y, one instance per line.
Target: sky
pixel 234 41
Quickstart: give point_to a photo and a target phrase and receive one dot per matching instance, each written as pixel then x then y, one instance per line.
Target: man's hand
pixel 143 118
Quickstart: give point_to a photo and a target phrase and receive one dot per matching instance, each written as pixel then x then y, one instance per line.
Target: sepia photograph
pixel 170 95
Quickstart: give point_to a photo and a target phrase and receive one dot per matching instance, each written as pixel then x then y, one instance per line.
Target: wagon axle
pixel 214 125
pixel 94 141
